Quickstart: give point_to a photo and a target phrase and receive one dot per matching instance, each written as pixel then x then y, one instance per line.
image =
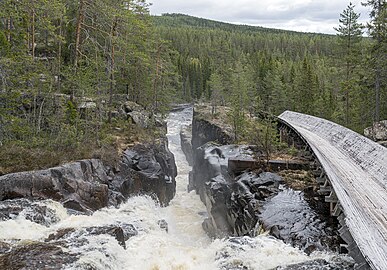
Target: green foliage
pixel 287 70
pixel 71 112
pixel 263 133
pixel 58 57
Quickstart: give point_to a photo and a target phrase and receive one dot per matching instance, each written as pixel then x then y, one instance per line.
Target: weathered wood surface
pixel 357 168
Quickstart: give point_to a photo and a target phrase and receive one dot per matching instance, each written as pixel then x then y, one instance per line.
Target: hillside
pixel 274 70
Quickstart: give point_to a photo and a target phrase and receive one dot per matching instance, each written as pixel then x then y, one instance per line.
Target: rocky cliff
pixel 247 202
pixel 88 185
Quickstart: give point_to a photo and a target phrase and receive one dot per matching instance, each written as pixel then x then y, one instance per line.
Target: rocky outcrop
pixel 242 200
pixel 60 249
pixel 146 170
pixel 232 203
pixel 81 185
pixel 33 211
pixel 378 132
pixel 204 131
pixel 36 255
pixel 186 143
pixel 139 116
pixel 71 237
pixel 88 185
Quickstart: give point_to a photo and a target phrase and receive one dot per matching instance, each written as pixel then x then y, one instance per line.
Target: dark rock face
pixel 71 237
pixel 88 185
pixel 289 218
pixel 147 170
pixel 186 143
pixel 31 210
pixel 204 131
pixel 36 256
pixel 318 264
pixel 80 185
pixel 232 203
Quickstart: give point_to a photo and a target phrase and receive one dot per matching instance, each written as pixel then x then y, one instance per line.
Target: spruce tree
pixel 350 32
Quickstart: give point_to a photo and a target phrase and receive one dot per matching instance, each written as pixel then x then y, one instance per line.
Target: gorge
pixel 140 234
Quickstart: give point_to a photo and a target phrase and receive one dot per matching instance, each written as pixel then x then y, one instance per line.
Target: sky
pixel 318 16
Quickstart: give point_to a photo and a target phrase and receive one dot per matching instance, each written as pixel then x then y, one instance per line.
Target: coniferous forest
pixel 57 55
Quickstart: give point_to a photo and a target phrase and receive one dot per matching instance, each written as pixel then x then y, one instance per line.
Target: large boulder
pixel 130 106
pixel 88 185
pixel 203 131
pixel 147 169
pixel 36 255
pixel 34 211
pixel 232 203
pixel 80 185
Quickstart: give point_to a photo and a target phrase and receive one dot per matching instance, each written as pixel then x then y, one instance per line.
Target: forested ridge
pixel 66 68
pixel 276 70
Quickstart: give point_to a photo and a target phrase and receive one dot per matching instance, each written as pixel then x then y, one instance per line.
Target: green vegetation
pixel 66 68
pixel 333 77
pixel 56 57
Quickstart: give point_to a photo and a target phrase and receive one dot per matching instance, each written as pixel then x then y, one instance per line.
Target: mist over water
pixel 184 246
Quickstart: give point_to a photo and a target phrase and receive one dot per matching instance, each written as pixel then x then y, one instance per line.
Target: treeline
pixel 334 77
pixel 59 58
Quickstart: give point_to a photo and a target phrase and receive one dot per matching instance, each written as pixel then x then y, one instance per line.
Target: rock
pixel 147 169
pixel 378 131
pixel 130 106
pixel 88 185
pixel 289 217
pixel 163 224
pixel 186 145
pixel 211 160
pixel 30 210
pixel 336 263
pixel 139 118
pixel 82 185
pixel 78 237
pixel 233 204
pixel 4 247
pixel 204 131
pixel 36 255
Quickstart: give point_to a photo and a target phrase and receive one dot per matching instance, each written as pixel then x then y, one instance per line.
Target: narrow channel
pixel 184 246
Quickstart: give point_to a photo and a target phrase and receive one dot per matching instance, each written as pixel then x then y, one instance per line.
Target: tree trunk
pixel 9 24
pixel 112 56
pixel 59 55
pixel 155 81
pixel 33 29
pixel 81 16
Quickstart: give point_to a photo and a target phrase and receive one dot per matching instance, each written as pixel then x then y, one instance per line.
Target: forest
pixel 338 77
pixel 57 55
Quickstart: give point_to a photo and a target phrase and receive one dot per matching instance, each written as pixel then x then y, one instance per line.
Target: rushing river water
pixel 184 246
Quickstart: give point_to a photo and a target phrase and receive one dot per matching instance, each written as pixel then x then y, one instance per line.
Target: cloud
pixel 300 15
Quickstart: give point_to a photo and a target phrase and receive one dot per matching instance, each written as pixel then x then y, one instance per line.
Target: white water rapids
pixel 184 246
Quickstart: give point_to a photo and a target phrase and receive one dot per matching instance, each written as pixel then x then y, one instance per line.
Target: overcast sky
pixel 300 15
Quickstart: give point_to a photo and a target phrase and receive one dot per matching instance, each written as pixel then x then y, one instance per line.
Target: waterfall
pixel 183 246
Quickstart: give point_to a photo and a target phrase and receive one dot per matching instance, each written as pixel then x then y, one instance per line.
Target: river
pixel 184 246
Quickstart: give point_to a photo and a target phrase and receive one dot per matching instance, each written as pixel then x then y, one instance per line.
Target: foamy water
pixel 184 246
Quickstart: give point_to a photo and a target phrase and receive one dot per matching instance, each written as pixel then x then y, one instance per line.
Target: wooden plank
pixel 357 169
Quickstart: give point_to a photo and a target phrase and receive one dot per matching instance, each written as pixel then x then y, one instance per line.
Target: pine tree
pixel 350 32
pixel 217 90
